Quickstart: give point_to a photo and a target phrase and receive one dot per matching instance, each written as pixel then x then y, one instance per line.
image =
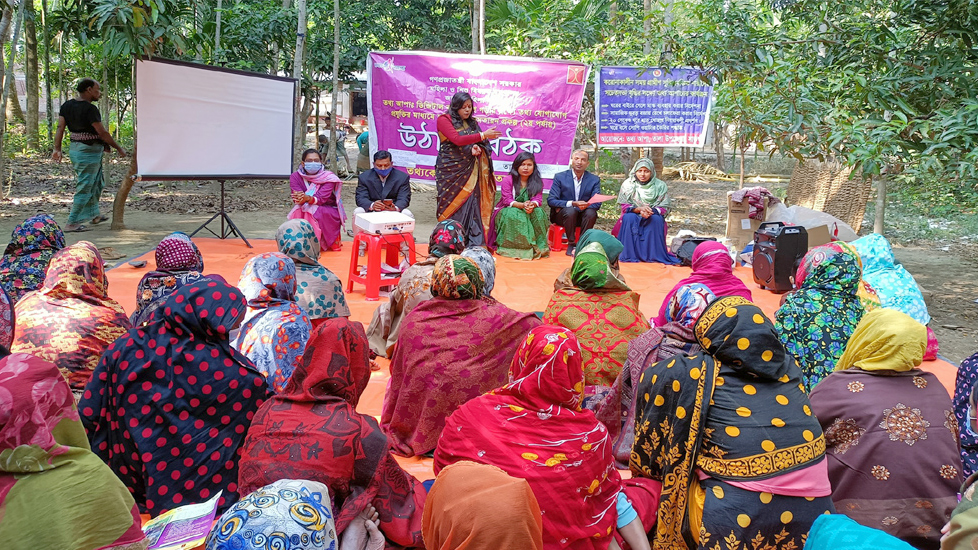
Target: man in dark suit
pixel 383 187
pixel 568 198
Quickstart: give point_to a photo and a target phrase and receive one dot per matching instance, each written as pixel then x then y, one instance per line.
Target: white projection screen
pixel 201 122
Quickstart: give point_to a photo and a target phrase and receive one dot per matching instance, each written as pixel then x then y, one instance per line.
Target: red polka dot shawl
pixel 170 403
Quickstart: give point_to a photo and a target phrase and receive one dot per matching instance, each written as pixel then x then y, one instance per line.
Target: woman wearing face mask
pixel 316 194
pixel 463 171
pixel 642 228
pixel 518 228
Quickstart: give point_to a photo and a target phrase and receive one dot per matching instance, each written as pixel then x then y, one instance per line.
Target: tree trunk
pixel 103 102
pixel 482 27
pixel 718 146
pixel 300 43
pixel 647 26
pixel 743 155
pixel 880 205
pixel 48 100
pixel 217 32
pixel 15 113
pixel 657 154
pixel 475 26
pixel 333 161
pixel 636 153
pixel 119 204
pixel 8 72
pixel 31 78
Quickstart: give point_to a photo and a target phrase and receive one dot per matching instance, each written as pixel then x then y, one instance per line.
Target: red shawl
pixel 712 267
pixel 312 431
pixel 448 352
pixel 534 428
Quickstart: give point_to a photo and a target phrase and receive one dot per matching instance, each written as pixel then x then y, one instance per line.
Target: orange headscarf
pixel 476 506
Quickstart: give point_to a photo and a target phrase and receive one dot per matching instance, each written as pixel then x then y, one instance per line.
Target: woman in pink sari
pixel 712 267
pixel 316 194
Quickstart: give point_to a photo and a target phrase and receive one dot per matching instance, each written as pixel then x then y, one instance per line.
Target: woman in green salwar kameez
pixel 518 227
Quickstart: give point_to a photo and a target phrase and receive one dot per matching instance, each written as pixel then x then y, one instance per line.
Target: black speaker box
pixel 778 250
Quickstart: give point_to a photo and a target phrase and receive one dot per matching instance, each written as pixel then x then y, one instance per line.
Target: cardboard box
pixel 740 227
pixel 818 236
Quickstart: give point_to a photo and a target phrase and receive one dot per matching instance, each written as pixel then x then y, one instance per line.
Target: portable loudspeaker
pixel 778 250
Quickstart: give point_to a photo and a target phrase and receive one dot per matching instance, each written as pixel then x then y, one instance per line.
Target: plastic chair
pixel 557 239
pixel 375 245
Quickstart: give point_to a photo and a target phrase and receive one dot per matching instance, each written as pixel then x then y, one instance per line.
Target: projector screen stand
pixel 227 226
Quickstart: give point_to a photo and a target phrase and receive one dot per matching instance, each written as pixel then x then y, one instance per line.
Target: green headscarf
pixel 612 246
pixel 636 193
pixel 457 278
pixel 591 270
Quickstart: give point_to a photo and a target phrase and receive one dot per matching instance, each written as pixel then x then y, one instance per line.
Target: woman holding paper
pixel 518 228
pixel 316 194
pixel 463 171
pixel 642 228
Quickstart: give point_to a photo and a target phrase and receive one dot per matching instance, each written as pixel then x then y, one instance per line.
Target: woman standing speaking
pixel 463 170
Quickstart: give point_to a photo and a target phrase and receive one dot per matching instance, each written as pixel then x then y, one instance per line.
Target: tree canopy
pixel 887 86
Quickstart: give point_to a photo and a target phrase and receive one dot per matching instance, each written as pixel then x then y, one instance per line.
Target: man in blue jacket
pixel 568 198
pixel 383 187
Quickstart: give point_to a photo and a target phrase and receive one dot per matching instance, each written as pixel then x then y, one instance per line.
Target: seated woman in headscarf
pixel 816 321
pixel 452 348
pixel 838 532
pixel 318 291
pixel 178 263
pixel 25 260
pixel 730 433
pixel 642 228
pixel 487 265
pixel 534 428
pixel 289 513
pixel 964 385
pixel 890 432
pixel 455 514
pixel 169 404
pixel 712 267
pixel 311 430
pixel 961 532
pixel 600 309
pixel 71 319
pixel 275 329
pixel 518 226
pixel 675 337
pixel 414 287
pixel 55 492
pixel 895 286
pixel 316 194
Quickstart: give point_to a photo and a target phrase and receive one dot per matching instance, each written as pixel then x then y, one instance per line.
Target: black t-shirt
pixel 79 116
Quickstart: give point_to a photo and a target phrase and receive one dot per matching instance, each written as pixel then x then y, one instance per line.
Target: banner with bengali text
pixel 650 107
pixel 535 103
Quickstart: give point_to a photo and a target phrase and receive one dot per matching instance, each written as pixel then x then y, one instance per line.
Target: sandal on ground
pixel 109 253
pixel 99 219
pixel 75 228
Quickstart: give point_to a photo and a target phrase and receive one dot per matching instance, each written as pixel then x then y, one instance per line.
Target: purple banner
pixel 535 103
pixel 639 107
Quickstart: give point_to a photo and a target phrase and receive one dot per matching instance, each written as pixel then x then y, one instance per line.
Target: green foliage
pixel 886 86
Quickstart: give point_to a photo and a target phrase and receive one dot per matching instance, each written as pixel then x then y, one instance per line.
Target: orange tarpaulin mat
pixel 521 285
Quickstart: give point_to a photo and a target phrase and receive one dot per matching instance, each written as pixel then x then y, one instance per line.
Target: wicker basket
pixel 828 187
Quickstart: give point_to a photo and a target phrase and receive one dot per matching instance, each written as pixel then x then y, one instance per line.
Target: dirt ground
pixel 948 271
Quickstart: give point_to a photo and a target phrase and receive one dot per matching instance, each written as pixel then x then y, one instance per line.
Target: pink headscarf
pixel 712 267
